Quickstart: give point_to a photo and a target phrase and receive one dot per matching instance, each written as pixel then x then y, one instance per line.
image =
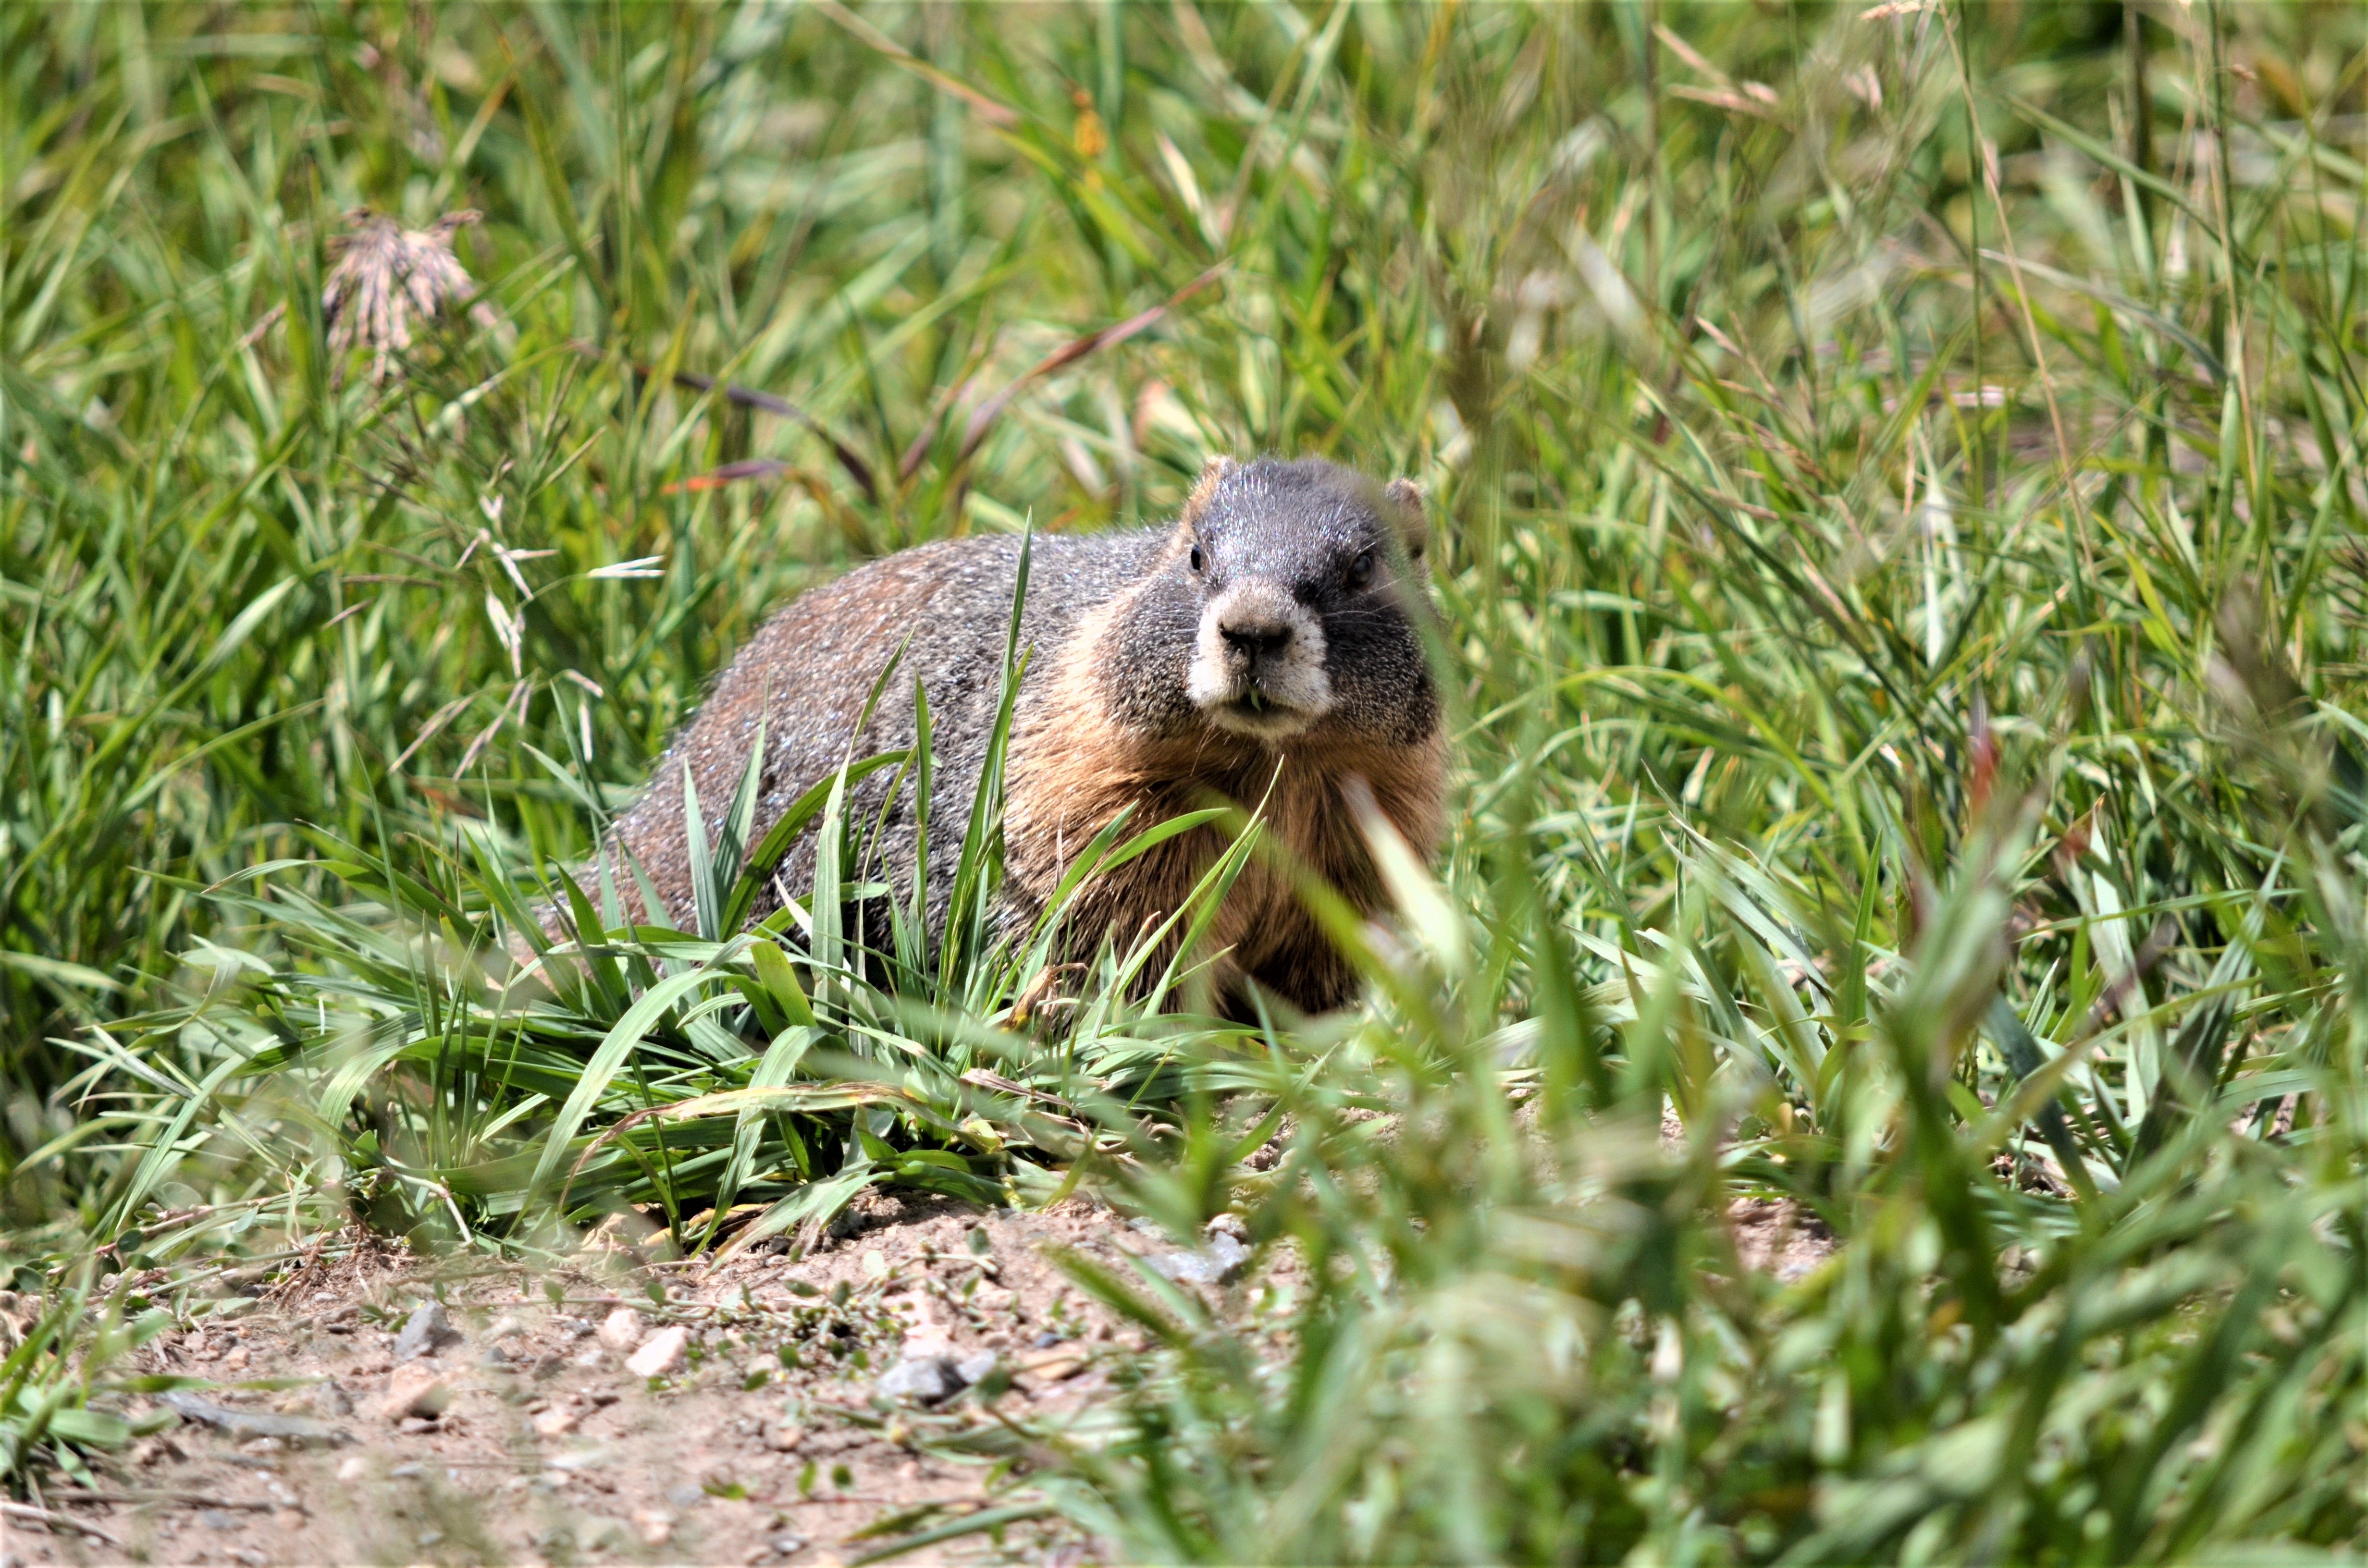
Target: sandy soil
pixel 763 1441
pixel 626 1409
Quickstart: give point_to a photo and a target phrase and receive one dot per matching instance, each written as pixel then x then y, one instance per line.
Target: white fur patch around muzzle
pixel 1257 665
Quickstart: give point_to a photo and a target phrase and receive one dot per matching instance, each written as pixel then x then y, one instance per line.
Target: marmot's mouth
pixel 1258 713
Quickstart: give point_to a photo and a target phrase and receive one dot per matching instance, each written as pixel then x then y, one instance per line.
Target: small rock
pixel 622 1329
pixel 413 1425
pixel 419 1393
pixel 663 1352
pixel 1051 1366
pixel 974 1368
pixel 1221 1261
pixel 1229 1226
pixel 353 1470
pixel 784 1436
pixel 685 1497
pixel 427 1331
pixel 586 1458
pixel 787 1545
pixel 218 1519
pixel 928 1379
pixel 559 1420
pixel 296 1430
pixel 509 1326
pixel 653 1524
pixel 875 1263
pixel 329 1398
pixel 495 1356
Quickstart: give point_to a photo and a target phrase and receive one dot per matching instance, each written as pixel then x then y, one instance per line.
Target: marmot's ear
pixel 1204 489
pixel 1414 518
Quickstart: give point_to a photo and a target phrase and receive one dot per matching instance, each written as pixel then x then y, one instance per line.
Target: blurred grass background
pixel 1899 472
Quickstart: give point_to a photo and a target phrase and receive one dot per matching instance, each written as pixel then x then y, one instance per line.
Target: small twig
pixel 54 1522
pixel 203 1499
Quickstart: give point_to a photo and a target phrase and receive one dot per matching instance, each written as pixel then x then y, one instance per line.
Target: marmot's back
pixel 811 666
pixel 1263 652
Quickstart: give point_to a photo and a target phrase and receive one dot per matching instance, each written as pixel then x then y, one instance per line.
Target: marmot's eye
pixel 1196 558
pixel 1360 571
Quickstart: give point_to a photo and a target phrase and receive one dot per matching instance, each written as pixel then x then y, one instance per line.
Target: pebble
pixel 928 1379
pixel 622 1329
pixel 509 1326
pixel 301 1431
pixel 784 1436
pixel 427 1331
pixel 558 1421
pixel 653 1524
pixel 1215 1264
pixel 662 1352
pixel 1050 1366
pixel 416 1392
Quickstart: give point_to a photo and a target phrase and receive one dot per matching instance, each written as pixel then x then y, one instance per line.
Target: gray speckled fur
pixel 1307 528
pixel 811 666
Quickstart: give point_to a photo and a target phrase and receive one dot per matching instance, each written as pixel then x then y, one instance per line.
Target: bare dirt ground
pixel 620 1409
pixel 740 1420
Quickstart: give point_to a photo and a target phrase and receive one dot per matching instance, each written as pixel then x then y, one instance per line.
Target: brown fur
pixel 1074 770
pixel 1106 719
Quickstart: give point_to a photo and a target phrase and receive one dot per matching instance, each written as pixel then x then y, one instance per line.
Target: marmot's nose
pixel 1254 636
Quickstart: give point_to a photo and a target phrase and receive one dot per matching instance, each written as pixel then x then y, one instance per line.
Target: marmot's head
pixel 1285 599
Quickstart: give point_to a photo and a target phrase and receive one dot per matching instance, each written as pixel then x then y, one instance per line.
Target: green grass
pixel 1901 493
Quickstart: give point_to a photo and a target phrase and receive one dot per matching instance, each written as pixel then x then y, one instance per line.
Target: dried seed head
pixel 385 276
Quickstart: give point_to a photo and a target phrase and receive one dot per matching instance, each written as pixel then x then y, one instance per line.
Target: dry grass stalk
pixel 387 275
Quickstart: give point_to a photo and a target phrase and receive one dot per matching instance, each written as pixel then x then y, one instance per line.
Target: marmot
pixel 1263 649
